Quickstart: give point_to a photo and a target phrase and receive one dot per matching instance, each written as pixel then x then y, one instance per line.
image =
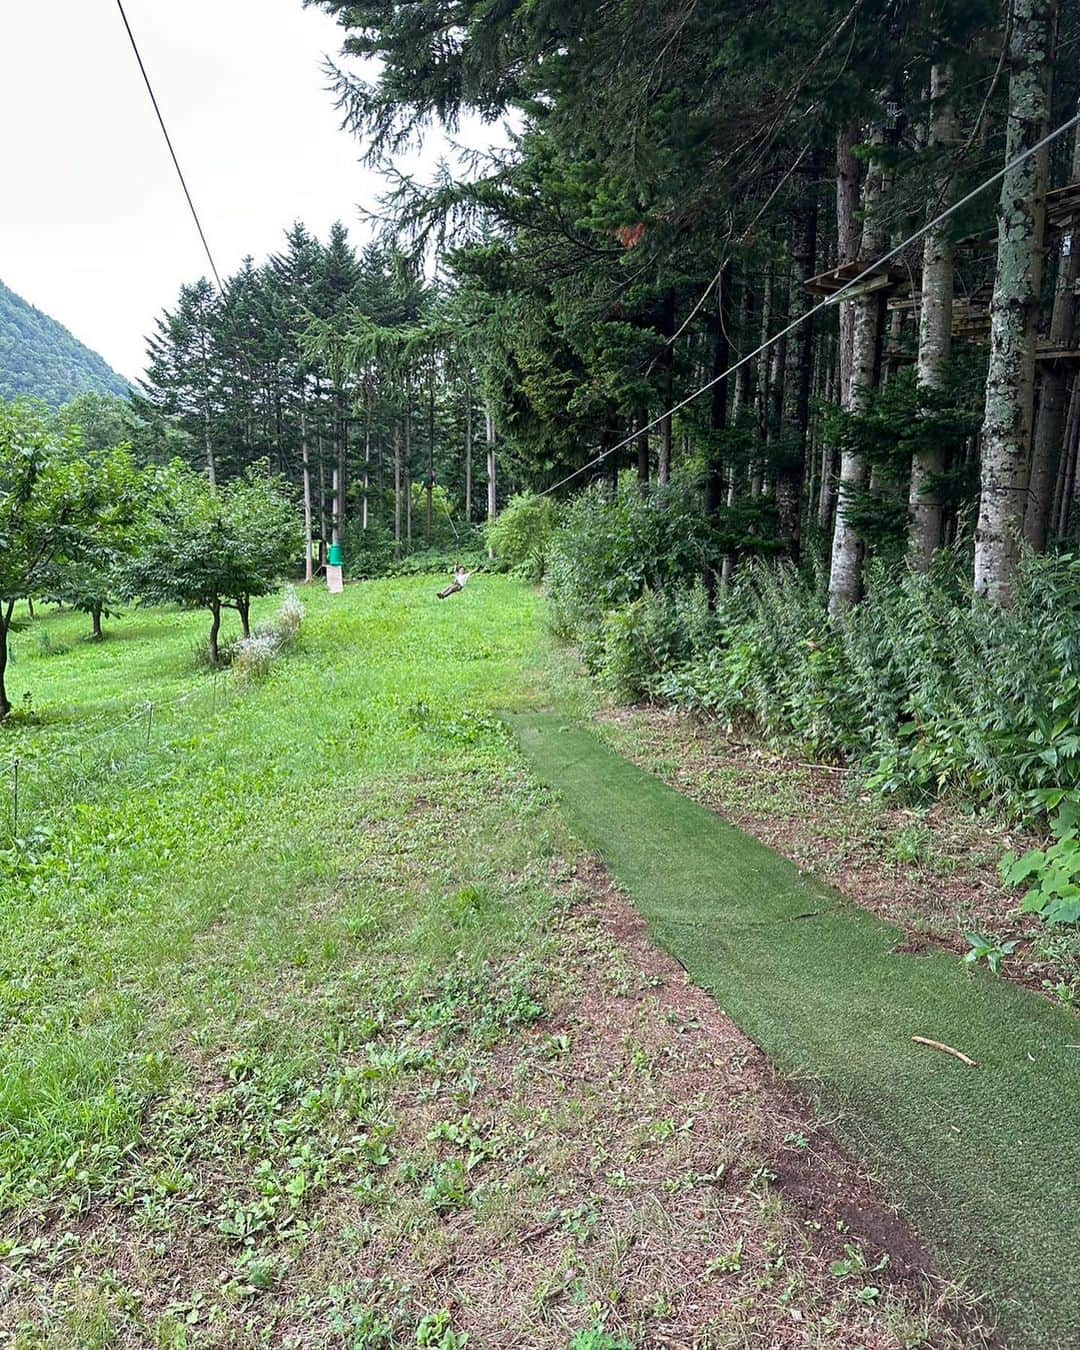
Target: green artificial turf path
pixel 985 1160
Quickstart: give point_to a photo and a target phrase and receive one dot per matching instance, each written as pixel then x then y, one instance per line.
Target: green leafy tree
pixel 51 505
pixel 91 578
pixel 216 549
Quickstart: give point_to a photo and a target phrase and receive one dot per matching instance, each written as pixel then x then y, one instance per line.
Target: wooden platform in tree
pixel 971 318
pixel 1049 353
pixel 881 279
pixel 1063 206
pixel 970 315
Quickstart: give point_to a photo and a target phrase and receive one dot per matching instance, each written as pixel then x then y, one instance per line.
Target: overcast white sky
pixel 94 229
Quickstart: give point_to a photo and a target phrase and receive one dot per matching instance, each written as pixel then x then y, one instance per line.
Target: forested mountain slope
pixel 39 358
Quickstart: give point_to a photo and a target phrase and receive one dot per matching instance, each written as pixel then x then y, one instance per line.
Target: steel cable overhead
pixel 172 151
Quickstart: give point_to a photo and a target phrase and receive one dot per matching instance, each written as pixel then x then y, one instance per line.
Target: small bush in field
pixel 642 640
pixel 607 552
pixel 520 534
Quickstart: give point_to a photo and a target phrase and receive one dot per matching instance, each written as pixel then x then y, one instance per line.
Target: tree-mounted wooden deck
pixel 891 280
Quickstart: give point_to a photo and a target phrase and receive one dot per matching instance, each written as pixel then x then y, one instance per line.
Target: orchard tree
pixel 217 548
pixel 51 506
pixel 91 578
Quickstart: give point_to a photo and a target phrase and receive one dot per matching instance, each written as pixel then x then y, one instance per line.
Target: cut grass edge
pixel 984 1159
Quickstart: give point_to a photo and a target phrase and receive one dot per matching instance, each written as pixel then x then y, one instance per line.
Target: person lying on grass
pixel 461 576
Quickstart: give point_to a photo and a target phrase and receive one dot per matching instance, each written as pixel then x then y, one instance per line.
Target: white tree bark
pixel 306 461
pixel 1010 384
pixel 935 339
pixel 846 572
pixel 492 497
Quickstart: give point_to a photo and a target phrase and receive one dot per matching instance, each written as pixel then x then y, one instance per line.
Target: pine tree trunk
pixel 847 244
pixel 468 453
pixel 846 572
pixel 1062 472
pixel 827 489
pixel 643 453
pixel 492 487
pixel 1046 450
pixel 847 250
pixel 742 392
pixel 663 455
pixel 935 341
pixel 430 487
pixel 397 493
pixel 761 395
pixel 714 475
pixel 366 508
pixel 335 509
pixel 1010 383
pixel 777 357
pixel 306 472
pixel 322 483
pixel 407 469
pixel 342 464
pixel 1070 478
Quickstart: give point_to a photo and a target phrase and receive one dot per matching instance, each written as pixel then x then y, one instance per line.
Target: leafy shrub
pixel 1054 871
pixel 607 553
pixel 928 690
pixel 437 561
pixel 519 536
pixel 642 640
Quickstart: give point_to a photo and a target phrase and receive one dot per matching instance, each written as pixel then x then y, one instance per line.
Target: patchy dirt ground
pixel 931 870
pixel 575 1149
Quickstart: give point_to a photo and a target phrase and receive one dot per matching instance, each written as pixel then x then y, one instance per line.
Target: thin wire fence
pixel 46 770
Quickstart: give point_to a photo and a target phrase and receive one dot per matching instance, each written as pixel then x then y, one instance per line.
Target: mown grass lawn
pixel 316 1035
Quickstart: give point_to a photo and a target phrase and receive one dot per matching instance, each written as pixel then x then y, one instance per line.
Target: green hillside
pixel 39 358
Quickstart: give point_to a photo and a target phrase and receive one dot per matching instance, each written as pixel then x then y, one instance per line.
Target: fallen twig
pixel 945 1050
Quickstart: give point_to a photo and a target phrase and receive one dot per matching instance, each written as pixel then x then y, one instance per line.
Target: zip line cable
pixel 168 142
pixel 832 299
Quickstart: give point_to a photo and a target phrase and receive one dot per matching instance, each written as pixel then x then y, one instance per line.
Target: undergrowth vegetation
pixel 518 536
pixel 928 692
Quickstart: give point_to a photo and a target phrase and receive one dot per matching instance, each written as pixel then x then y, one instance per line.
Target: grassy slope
pixel 986 1159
